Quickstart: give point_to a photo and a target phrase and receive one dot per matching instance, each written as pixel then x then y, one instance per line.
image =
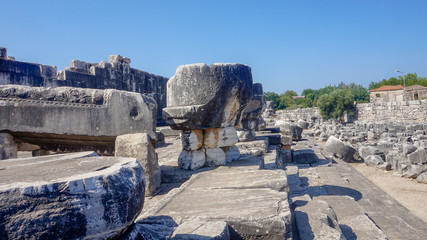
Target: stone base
pixel 208 147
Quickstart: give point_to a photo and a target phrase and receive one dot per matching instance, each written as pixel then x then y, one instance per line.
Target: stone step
pixel 272 129
pixel 273 138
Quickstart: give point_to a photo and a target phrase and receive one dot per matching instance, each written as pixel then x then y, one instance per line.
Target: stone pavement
pixel 363 210
pixel 252 201
pixel 324 200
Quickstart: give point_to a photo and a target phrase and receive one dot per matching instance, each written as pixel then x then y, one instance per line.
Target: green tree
pixel 334 105
pixel 274 97
pixel 410 79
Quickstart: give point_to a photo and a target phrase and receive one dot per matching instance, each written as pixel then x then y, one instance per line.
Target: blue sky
pixel 290 45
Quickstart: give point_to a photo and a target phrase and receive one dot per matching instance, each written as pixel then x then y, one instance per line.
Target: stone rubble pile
pixel 206 103
pixel 397 146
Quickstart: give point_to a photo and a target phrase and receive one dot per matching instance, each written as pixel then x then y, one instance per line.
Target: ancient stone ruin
pixel 206 102
pixel 114 74
pixel 251 119
pixel 73 119
pixel 69 196
pixel 286 175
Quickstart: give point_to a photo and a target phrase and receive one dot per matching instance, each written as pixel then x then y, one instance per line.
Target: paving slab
pixel 252 201
pixel 353 197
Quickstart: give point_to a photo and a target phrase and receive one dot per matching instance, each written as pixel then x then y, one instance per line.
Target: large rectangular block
pixel 139 146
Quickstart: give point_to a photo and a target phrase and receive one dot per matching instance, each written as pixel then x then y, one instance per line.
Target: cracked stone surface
pixel 69 196
pixel 252 201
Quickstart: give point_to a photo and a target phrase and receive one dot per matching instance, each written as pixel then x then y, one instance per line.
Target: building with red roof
pixel 396 93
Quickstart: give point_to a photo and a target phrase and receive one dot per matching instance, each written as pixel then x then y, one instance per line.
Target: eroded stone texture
pixel 192 140
pixel 317 220
pixel 69 196
pixel 140 146
pixel 74 119
pixel 251 116
pixel 115 74
pixel 340 149
pixel 201 96
pixel 8 147
pixel 220 137
pixel 206 102
pixel 192 160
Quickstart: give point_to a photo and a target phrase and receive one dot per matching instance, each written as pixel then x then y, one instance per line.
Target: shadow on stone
pixel 348 232
pixel 336 190
pixel 304 229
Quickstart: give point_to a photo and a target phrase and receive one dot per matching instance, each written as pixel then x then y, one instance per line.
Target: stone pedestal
pixel 206 102
pixel 208 147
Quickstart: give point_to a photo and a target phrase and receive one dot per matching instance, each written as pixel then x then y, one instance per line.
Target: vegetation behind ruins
pixel 410 79
pixel 332 101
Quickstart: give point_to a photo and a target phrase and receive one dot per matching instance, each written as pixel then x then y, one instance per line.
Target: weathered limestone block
pixel 74 118
pixel 251 119
pixel 192 160
pixel 366 151
pixel 255 148
pixel 69 196
pixel 246 135
pixel 201 230
pixel 285 140
pixel 373 160
pixel 8 147
pixel 303 124
pixel 340 149
pixel 3 52
pixel 419 156
pixel 282 158
pixel 289 129
pixel 220 137
pixel 305 156
pixel 192 140
pixel 415 170
pixel 139 146
pixel 422 178
pixel 231 153
pixel 408 149
pixel 317 220
pixel 201 96
pixel 215 157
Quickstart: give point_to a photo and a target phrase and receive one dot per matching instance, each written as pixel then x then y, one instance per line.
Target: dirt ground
pixel 408 192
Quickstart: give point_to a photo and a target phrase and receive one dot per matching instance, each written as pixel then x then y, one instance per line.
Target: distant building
pixel 416 92
pixel 298 97
pixel 396 93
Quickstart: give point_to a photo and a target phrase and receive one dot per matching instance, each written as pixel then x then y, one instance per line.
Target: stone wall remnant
pixel 74 119
pixel 69 196
pixel 206 102
pixel 115 74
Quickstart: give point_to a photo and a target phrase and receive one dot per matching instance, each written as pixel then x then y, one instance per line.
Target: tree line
pixel 333 101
